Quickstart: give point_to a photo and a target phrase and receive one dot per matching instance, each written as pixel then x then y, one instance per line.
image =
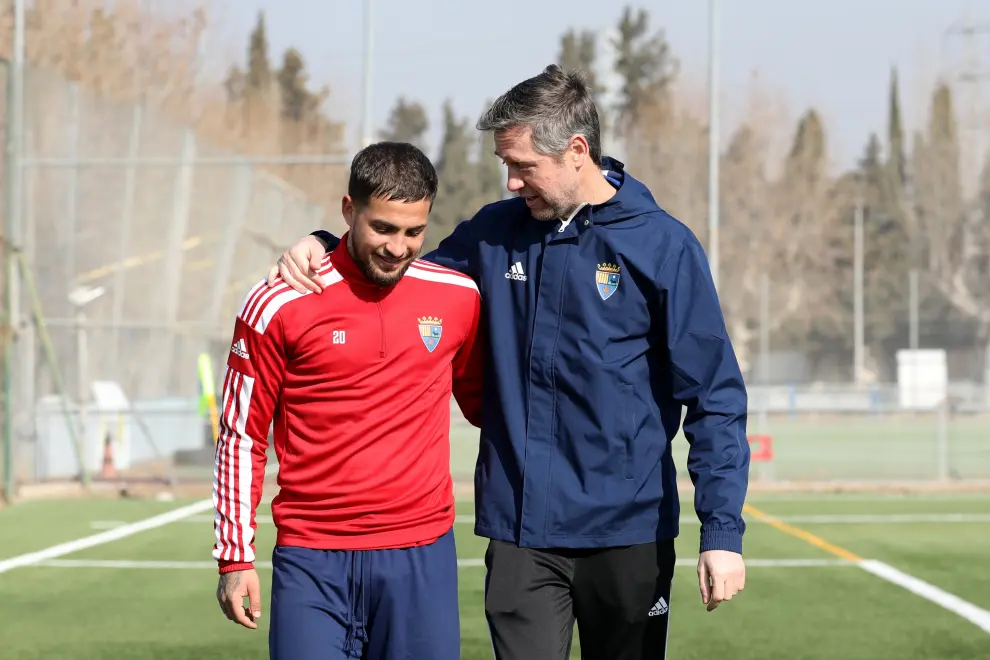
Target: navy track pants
pixel 372 604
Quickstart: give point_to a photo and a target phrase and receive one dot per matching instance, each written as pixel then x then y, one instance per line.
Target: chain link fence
pixel 139 240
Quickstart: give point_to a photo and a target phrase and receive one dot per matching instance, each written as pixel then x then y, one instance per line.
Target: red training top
pixel 357 380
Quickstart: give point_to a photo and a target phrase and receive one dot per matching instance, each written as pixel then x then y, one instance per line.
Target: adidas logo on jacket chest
pixel 606 277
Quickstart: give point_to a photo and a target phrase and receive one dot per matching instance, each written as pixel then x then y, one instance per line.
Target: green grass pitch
pixel 113 602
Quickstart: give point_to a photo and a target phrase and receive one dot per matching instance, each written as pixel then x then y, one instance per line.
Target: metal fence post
pixel 70 227
pixel 126 217
pixel 942 440
pixel 12 193
pixel 172 276
pixel 240 199
pixel 764 422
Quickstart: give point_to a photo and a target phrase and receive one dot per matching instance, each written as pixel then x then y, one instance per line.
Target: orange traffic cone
pixel 109 471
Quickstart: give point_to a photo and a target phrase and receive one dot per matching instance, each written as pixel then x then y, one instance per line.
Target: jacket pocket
pixel 626 429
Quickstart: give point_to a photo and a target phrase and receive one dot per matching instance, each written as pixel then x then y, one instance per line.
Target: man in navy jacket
pixel 603 322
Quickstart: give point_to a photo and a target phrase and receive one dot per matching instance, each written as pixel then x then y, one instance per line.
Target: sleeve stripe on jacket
pixel 220 474
pixel 445 276
pixel 235 541
pixel 233 531
pixel 234 477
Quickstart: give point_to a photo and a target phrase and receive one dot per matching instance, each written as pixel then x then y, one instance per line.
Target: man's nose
pixel 395 249
pixel 514 184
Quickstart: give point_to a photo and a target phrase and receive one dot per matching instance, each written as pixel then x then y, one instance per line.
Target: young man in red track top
pixel 357 382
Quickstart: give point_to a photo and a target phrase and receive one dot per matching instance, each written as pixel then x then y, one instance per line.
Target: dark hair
pixel 393 171
pixel 556 105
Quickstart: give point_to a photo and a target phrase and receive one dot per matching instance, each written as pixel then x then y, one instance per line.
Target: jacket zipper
pixel 564 223
pixel 381 317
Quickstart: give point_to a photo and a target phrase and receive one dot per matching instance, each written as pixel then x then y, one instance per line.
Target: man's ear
pixel 348 210
pixel 578 151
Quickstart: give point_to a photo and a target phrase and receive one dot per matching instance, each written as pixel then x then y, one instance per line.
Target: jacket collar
pixel 631 197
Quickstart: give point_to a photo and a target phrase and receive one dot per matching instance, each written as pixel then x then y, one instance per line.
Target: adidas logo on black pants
pixel 618 596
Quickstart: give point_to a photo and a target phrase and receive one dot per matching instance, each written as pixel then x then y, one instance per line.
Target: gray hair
pixel 556 105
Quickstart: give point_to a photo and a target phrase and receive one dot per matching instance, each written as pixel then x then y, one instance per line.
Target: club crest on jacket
pixel 430 329
pixel 607 277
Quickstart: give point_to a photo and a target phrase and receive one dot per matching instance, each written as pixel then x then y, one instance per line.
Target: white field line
pixel 839 519
pixel 462 563
pixel 954 604
pixel 890 518
pixel 104 537
pixel 862 498
pixel 113 534
pixel 975 615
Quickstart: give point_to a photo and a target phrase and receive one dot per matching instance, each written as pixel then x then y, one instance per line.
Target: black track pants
pixel 620 598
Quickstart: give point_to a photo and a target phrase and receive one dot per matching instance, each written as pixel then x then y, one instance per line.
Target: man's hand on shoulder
pixel 232 589
pixel 298 266
pixel 721 575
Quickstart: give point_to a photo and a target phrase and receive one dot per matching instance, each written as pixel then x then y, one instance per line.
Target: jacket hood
pixel 631 198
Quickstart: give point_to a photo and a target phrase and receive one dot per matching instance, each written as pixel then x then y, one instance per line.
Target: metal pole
pixel 366 137
pixel 82 384
pixel 15 93
pixel 172 276
pixel 764 349
pixel 764 413
pixel 858 347
pixel 913 312
pixel 942 440
pixel 126 221
pixel 72 197
pixel 713 138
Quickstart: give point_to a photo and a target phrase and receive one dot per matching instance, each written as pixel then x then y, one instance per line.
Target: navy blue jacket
pixel 601 331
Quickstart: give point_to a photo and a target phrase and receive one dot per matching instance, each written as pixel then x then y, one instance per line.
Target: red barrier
pixel 763 449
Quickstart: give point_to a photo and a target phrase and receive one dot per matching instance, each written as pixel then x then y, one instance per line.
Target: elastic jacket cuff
pixel 231 566
pixel 720 538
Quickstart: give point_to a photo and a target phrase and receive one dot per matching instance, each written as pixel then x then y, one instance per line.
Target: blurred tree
pixel 578 52
pixel 257 79
pixel 664 147
pixel 896 156
pixel 814 240
pixel 491 172
pixel 886 262
pixel 749 235
pixel 408 122
pixel 459 189
pixel 259 70
pixel 647 67
pixel 297 101
pixel 954 232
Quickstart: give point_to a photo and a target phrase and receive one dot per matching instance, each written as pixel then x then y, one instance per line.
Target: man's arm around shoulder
pixel 298 265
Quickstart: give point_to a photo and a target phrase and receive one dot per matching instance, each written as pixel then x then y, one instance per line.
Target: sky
pixel 835 56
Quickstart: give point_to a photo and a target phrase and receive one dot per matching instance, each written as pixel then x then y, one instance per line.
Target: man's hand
pixel 298 266
pixel 232 589
pixel 721 575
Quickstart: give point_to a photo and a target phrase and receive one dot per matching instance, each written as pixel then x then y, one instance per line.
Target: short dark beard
pixel 377 278
pixel 369 273
pixel 557 212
